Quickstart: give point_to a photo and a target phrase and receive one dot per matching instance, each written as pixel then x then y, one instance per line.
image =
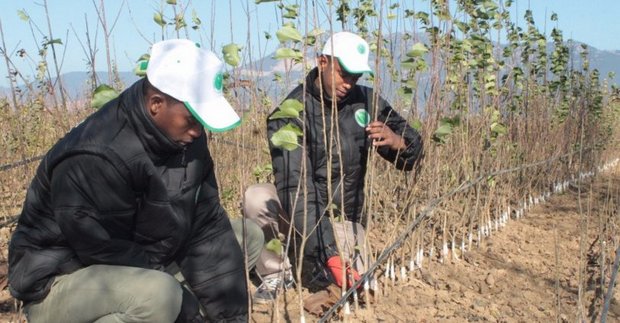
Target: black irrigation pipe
pixel 422 216
pixel 610 289
pixel 9 220
pixel 230 143
pixel 37 158
pixel 20 163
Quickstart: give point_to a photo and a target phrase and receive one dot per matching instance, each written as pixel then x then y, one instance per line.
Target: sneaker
pixel 271 285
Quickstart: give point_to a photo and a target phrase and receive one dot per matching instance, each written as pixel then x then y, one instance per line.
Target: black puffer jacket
pixel 347 144
pixel 116 190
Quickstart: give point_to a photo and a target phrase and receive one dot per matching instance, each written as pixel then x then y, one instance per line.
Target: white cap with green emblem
pixel 351 50
pixel 192 75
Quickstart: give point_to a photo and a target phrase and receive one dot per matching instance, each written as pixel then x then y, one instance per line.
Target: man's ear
pixel 155 103
pixel 321 62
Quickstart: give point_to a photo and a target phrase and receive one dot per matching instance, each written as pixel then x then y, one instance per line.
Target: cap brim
pixel 216 115
pixel 355 69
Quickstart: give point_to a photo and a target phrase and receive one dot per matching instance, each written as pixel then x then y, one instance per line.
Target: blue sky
pixel 594 22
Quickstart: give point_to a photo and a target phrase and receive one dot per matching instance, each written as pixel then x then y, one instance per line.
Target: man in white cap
pixel 341 126
pixel 128 199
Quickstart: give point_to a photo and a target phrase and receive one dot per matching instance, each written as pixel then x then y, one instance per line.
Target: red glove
pixel 335 267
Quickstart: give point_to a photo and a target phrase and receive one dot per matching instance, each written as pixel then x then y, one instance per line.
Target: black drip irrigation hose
pixel 20 163
pixel 37 158
pixel 418 219
pixel 9 220
pixel 610 289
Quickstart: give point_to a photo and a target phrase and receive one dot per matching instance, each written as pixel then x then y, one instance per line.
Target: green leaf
pixel 275 246
pixel 288 53
pixel 310 38
pixel 159 19
pixel 290 108
pixel 408 64
pixel 286 137
pixel 172 2
pixel 23 15
pixel 554 16
pixel 195 19
pixel 291 12
pixel 498 128
pixel 231 54
pixel 416 124
pixel 287 33
pixel 443 131
pixel 463 27
pixel 446 127
pixel 421 65
pixel 491 181
pixel 417 50
pixel 102 95
pixel 316 32
pixel 54 41
pixel 277 77
pixel 406 92
pixel 261 1
pixel 423 17
pixel 490 5
pixel 179 22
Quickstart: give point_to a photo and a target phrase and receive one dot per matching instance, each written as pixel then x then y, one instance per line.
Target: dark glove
pixel 334 264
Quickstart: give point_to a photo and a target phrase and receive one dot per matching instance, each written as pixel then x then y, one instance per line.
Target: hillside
pixel 265 69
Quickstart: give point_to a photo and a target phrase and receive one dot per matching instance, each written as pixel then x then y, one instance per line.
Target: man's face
pixel 174 119
pixel 337 82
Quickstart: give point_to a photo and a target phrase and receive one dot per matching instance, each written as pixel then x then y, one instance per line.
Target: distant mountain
pixel 77 83
pixel 264 69
pixel 272 77
pixel 605 61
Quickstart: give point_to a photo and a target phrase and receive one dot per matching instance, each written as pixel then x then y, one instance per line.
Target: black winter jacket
pixel 347 144
pixel 117 191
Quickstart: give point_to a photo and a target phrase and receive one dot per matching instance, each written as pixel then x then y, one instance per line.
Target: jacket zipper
pixel 184 164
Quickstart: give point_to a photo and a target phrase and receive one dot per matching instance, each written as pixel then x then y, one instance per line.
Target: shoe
pixel 268 289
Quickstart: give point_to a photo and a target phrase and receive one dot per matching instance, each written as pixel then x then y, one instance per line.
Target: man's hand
pixel 334 264
pixel 382 135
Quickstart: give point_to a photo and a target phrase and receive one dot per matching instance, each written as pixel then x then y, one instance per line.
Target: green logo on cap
pixel 361 48
pixel 218 82
pixel 362 117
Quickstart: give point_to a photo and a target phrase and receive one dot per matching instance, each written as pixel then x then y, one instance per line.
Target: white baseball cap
pixel 192 75
pixel 351 50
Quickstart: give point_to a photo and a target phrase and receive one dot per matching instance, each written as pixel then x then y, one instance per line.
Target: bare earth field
pixel 526 272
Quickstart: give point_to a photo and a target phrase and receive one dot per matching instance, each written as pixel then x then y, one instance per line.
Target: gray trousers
pixel 105 293
pixel 262 205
